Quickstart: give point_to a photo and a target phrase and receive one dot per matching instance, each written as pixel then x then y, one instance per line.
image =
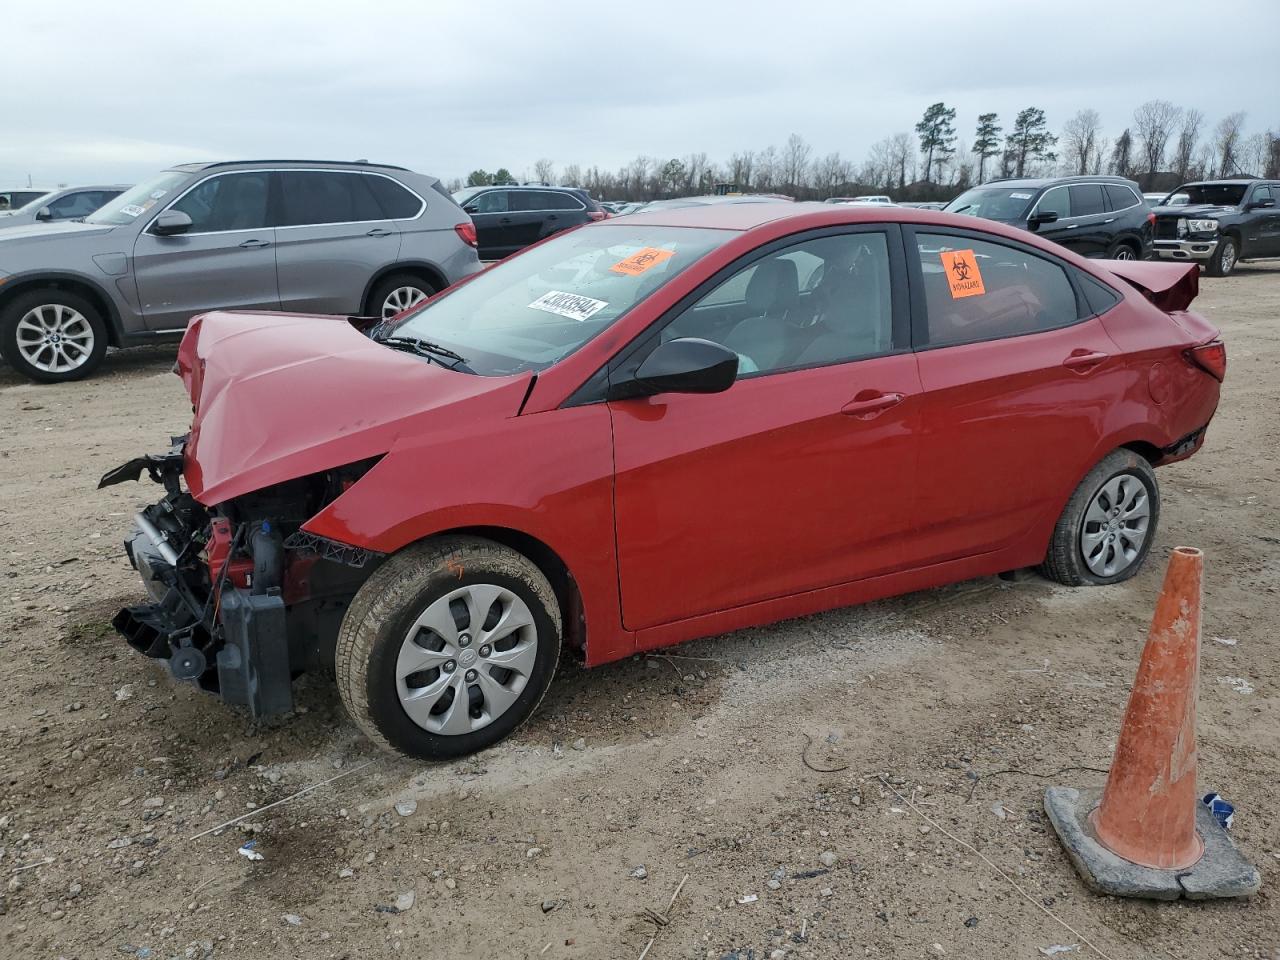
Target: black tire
pixel 1065 562
pixel 396 281
pixel 52 298
pixel 384 609
pixel 1123 250
pixel 1222 262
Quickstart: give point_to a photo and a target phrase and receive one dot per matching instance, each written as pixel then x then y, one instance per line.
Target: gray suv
pixel 311 237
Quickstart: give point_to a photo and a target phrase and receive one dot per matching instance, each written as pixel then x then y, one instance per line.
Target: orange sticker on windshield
pixel 964 279
pixel 642 260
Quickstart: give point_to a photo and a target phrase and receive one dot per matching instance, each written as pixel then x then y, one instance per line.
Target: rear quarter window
pixel 1121 197
pixel 1098 296
pixel 396 202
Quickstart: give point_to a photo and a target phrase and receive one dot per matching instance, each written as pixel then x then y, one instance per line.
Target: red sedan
pixel 650 429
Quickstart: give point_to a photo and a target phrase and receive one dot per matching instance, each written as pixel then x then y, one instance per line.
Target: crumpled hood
pixel 279 396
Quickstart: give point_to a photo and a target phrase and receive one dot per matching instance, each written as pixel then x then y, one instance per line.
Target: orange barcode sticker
pixel 964 279
pixel 642 260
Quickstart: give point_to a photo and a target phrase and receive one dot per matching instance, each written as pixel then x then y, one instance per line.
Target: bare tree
pixel 741 166
pixel 1226 143
pixel 1254 153
pixel 1184 150
pixel 544 171
pixel 902 155
pixel 766 169
pixel 795 161
pixel 572 176
pixel 1154 122
pixel 1080 141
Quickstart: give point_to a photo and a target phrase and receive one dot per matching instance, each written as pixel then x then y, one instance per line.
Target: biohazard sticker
pixel 964 279
pixel 642 260
pixel 569 305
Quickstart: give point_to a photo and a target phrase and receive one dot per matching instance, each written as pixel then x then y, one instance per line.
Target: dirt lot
pixel 691 765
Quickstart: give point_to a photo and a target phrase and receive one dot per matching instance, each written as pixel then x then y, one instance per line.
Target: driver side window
pixel 236 201
pixel 818 302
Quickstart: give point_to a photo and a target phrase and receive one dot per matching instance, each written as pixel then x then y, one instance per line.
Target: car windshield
pixel 136 201
pixel 532 310
pixel 1215 194
pixel 994 203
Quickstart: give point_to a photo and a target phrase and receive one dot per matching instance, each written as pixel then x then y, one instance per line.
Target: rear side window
pixel 1121 197
pixel 1100 297
pixel 312 197
pixel 395 201
pixel 543 200
pixel 495 201
pixel 1056 200
pixel 1086 199
pixel 232 201
pixel 978 290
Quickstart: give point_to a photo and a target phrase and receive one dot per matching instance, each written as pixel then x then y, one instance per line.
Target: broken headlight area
pixel 243 600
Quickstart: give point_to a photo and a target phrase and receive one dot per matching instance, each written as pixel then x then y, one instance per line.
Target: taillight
pixel 598 214
pixel 1211 358
pixel 467 231
pixel 1151 218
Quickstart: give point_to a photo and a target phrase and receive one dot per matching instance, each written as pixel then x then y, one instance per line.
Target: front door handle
pixel 378 232
pixel 505 220
pixel 1084 360
pixel 255 243
pixel 871 403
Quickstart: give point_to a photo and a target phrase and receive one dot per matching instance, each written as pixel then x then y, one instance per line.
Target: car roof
pixel 1035 182
pixel 748 216
pixel 212 164
pixel 1224 180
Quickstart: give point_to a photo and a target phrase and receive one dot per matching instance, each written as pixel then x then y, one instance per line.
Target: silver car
pixel 64 203
pixel 315 237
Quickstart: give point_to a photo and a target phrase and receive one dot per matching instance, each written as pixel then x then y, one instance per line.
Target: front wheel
pixel 448 647
pixel 1224 258
pixel 51 335
pixel 1107 528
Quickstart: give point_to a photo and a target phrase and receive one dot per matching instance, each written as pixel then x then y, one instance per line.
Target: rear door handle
pixel 505 220
pixel 1084 359
pixel 378 232
pixel 868 404
pixel 252 244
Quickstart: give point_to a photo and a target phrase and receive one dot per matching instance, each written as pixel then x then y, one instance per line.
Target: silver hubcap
pixel 466 659
pixel 1228 256
pixel 400 299
pixel 1115 526
pixel 54 338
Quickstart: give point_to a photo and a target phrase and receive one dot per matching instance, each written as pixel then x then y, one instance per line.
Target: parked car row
pixel 342 238
pixel 50 206
pixel 586 443
pixel 508 218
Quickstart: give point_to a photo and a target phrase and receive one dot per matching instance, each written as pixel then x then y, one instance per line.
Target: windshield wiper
pixel 425 348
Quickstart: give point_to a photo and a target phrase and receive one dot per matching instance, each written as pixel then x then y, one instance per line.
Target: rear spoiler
pixel 1170 286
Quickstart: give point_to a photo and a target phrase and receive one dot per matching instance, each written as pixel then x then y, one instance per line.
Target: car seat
pixel 772 293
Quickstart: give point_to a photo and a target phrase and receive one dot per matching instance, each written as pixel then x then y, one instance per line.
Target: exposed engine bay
pixel 243 600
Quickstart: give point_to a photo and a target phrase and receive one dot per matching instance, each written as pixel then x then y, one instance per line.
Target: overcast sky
pixel 94 91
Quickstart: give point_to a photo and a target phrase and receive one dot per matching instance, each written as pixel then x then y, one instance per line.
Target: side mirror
pixel 44 213
pixel 1041 217
pixel 171 223
pixel 471 208
pixel 687 365
pixel 1262 204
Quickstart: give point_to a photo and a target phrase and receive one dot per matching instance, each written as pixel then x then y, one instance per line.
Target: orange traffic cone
pixel 1148 810
pixel 1150 836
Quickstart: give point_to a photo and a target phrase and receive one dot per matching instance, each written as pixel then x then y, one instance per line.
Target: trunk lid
pixel 1169 286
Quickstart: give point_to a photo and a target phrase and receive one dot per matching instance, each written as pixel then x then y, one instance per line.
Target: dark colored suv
pixel 509 217
pixel 1094 216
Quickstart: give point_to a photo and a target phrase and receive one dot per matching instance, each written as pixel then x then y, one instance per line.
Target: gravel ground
pixel 768 770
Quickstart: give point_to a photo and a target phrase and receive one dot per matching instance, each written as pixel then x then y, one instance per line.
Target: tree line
pixel 1163 146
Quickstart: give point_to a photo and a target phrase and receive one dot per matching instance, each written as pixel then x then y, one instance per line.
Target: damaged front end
pixel 243 600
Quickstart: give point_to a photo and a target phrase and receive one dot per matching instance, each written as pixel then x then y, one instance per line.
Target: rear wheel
pixel 1121 250
pixel 448 647
pixel 1107 528
pixel 398 293
pixel 1224 258
pixel 51 335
